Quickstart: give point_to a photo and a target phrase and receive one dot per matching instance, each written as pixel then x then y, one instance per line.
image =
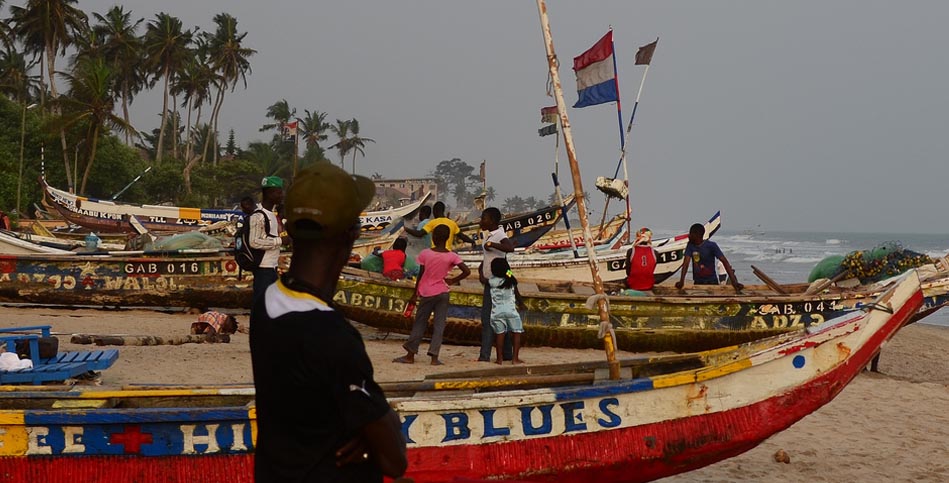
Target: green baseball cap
pixel 327 196
pixel 272 182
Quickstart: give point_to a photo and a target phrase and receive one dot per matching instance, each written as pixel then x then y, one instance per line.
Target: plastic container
pixel 92 242
pixel 409 310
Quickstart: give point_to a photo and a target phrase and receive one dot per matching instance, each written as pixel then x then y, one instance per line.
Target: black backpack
pixel 248 258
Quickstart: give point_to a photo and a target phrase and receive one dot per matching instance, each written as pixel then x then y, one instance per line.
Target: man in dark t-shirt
pixel 702 254
pixel 320 415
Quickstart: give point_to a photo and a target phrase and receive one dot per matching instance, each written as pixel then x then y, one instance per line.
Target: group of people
pixel 501 323
pixel 321 416
pixel 703 255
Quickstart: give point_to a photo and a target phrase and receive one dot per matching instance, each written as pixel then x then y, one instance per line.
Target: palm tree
pixel 281 113
pixel 166 48
pixel 47 27
pixel 230 59
pixel 314 127
pixel 341 130
pixel 263 155
pixel 193 84
pixel 122 48
pixel 90 104
pixel 15 78
pixel 357 142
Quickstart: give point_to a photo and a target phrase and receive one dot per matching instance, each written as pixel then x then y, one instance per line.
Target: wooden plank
pixel 768 281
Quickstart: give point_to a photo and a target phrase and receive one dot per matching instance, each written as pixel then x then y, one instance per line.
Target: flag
pixel 549 115
pixel 482 172
pixel 644 54
pixel 596 77
pixel 290 130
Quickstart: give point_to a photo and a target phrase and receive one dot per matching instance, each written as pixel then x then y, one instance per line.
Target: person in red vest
pixel 5 221
pixel 641 262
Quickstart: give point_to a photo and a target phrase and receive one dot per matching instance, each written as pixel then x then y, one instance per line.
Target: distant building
pixel 398 192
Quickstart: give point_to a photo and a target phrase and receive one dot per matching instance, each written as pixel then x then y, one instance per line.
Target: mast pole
pixel 629 127
pixel 606 328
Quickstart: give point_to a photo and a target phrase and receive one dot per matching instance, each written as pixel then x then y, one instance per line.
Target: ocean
pixel 789 257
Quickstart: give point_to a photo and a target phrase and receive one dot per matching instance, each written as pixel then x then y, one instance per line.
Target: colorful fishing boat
pixel 560 239
pixel 182 278
pixel 523 230
pixel 611 261
pixel 111 217
pixel 664 415
pixel 556 312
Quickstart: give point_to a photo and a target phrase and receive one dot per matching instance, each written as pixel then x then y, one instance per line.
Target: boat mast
pixel 606 328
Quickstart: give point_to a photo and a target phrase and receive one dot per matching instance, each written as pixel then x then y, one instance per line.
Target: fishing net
pixel 885 260
pixel 826 268
pixel 184 241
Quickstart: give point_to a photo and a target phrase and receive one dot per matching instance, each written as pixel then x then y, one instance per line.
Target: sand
pixel 892 426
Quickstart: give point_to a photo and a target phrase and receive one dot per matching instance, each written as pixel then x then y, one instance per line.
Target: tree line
pixel 68 79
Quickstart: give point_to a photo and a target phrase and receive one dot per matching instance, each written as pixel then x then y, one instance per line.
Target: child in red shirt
pixel 393 260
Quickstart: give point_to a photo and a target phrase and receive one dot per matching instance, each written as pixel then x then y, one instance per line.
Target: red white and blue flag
pixel 596 74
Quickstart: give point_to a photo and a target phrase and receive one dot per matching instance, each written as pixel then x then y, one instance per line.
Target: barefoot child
pixel 431 290
pixel 504 301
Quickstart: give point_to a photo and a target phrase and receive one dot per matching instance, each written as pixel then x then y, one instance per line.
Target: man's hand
pixel 355 450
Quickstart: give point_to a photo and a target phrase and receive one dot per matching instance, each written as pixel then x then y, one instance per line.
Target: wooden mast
pixel 606 328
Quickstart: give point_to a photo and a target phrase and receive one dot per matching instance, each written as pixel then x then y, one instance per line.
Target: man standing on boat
pixel 320 414
pixel 496 245
pixel 703 254
pixel 265 234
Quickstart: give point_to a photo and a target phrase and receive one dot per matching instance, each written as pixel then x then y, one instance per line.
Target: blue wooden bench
pixel 62 366
pixel 97 360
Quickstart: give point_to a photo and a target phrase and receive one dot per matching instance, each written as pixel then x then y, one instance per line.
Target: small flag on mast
pixel 596 77
pixel 290 130
pixel 644 54
pixel 549 115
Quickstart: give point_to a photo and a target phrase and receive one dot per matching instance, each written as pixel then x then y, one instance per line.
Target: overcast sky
pixel 795 116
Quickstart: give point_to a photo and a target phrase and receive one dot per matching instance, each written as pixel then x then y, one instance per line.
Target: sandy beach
pixel 892 426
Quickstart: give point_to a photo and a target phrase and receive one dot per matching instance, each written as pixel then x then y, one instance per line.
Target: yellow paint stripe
pixel 701 375
pixel 12 417
pixel 189 213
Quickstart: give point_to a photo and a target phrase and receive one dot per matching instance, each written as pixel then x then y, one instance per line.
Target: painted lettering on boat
pixel 144 439
pixel 466 427
pixel 785 321
pixel 375 220
pixel 369 301
pixel 162 268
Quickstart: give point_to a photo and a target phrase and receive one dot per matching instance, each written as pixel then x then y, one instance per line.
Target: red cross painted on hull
pixel 131 440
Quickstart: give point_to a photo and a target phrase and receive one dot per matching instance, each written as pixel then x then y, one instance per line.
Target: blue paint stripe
pixel 604 389
pixel 135 415
pixel 597 94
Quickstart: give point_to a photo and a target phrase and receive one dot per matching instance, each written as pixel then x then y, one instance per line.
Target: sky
pixel 786 116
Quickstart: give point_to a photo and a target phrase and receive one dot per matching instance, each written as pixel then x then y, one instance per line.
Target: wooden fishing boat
pixel 111 217
pixel 611 262
pixel 17 243
pixel 11 244
pixel 665 414
pixel 523 230
pixel 183 278
pixel 560 239
pixel 379 220
pixel 556 312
